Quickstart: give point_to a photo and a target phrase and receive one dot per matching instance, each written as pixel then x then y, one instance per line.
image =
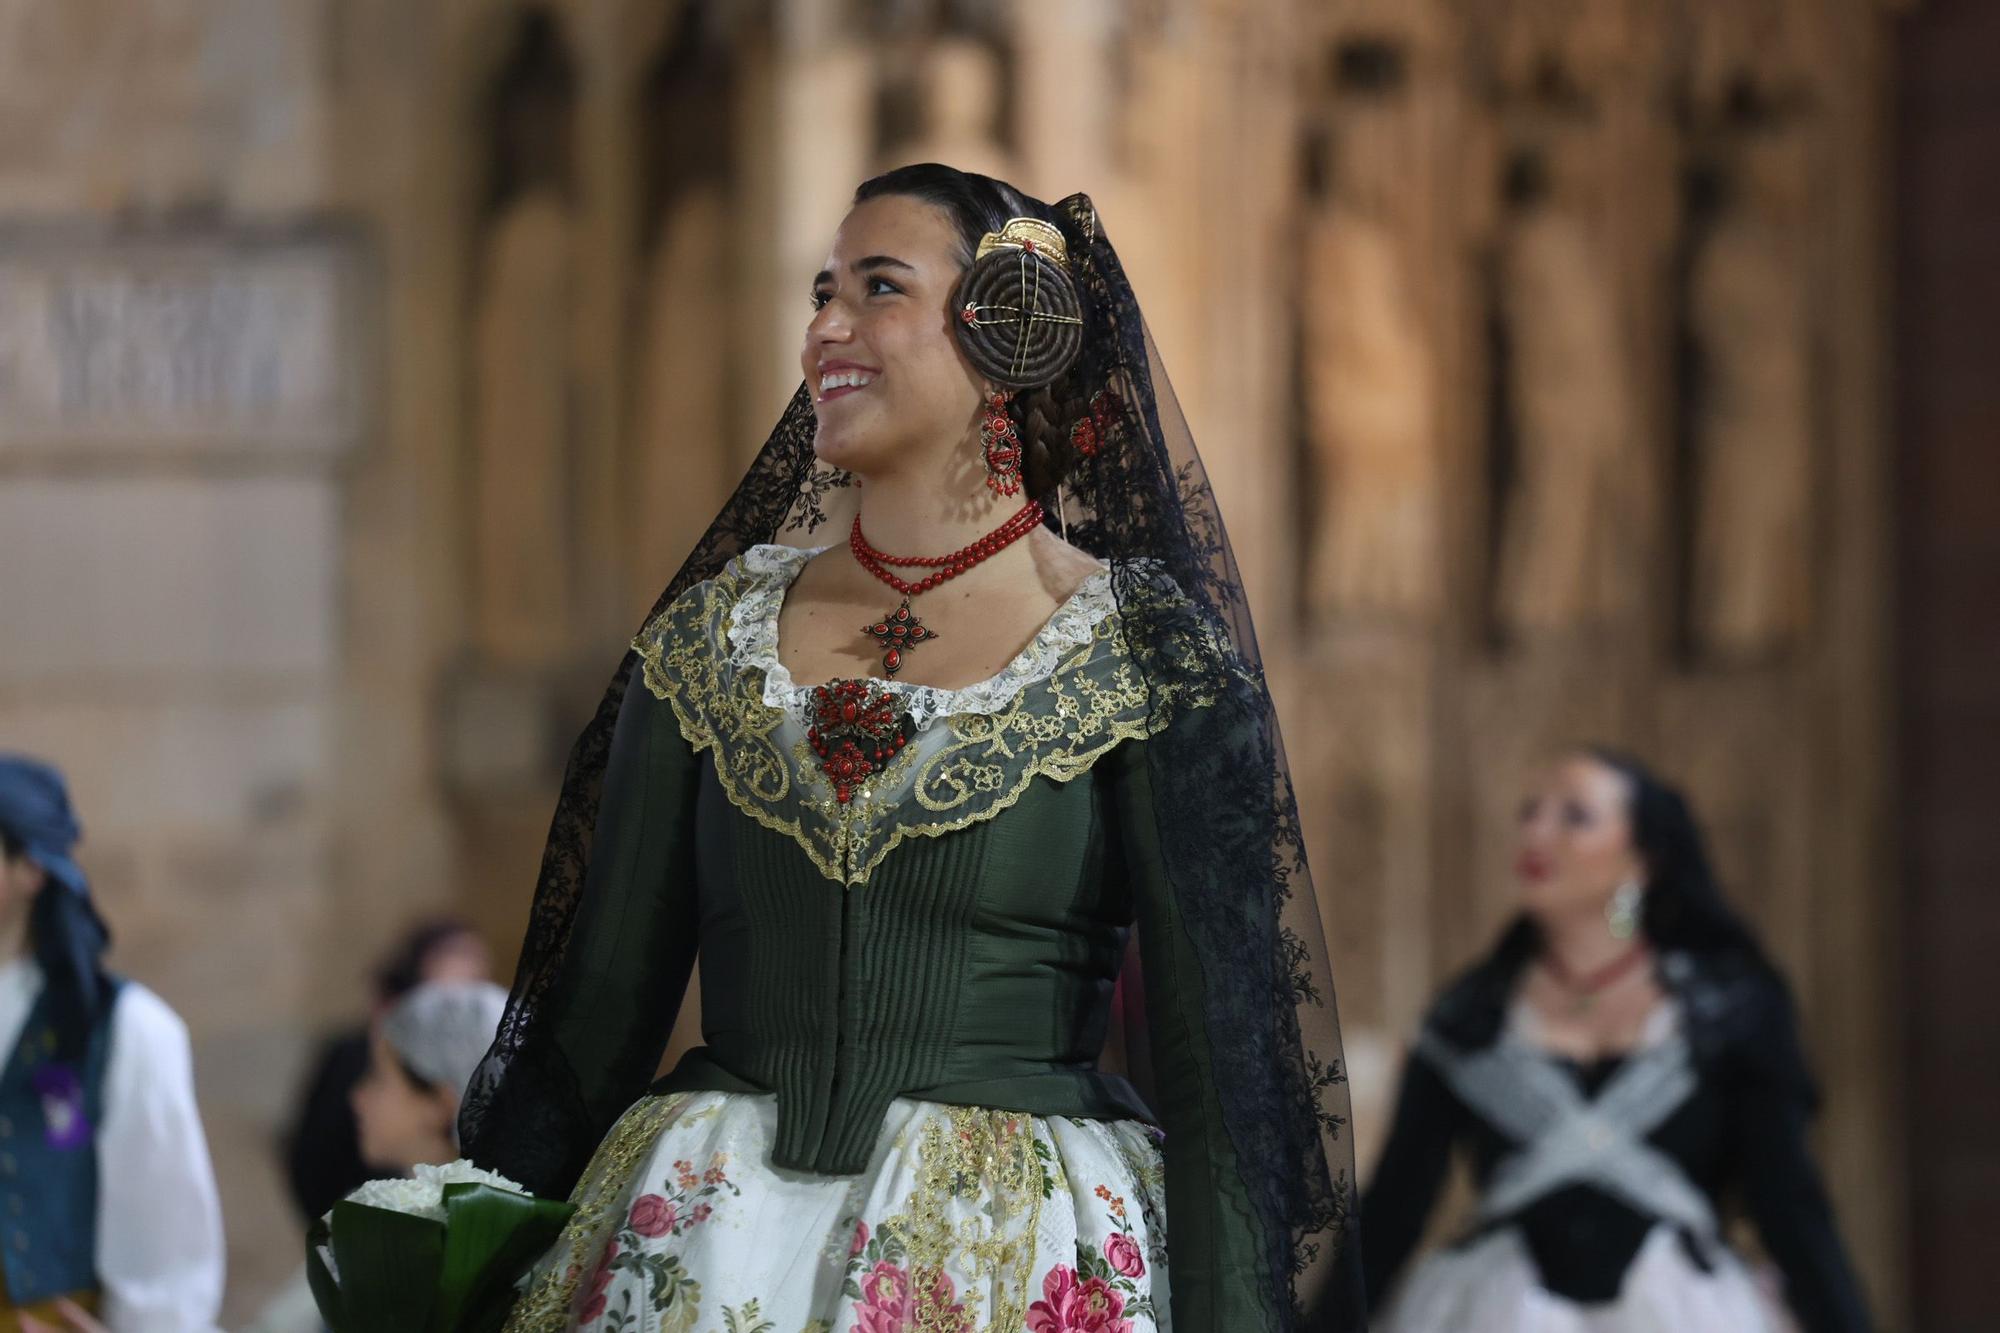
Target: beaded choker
pixel 900 631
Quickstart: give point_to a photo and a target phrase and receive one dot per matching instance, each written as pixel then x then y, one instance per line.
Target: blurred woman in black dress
pixel 1621 1068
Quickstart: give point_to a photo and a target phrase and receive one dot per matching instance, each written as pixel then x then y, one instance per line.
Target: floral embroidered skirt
pixel 966 1219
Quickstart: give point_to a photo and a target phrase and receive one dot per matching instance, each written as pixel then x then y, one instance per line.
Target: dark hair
pixel 68 940
pixel 402 971
pixel 1684 910
pixel 1684 907
pixel 976 205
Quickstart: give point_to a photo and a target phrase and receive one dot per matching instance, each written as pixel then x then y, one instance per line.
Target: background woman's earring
pixel 1621 914
pixel 1001 447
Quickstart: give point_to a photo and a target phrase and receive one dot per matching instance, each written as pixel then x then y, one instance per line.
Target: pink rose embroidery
pixel 653 1216
pixel 886 1304
pixel 1069 1306
pixel 1122 1253
pixel 860 1239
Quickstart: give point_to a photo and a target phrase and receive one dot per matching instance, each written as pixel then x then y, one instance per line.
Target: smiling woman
pixel 909 840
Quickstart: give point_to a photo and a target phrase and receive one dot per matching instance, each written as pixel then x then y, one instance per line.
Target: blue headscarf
pixel 35 812
pixel 67 935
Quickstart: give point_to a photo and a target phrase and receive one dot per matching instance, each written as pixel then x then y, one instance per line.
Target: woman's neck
pixel 917 516
pixel 440 1150
pixel 1582 945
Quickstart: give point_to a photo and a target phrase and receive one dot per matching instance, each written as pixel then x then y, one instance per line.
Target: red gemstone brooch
pixel 856 728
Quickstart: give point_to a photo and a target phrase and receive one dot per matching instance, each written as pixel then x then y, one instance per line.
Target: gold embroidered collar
pixel 1079 694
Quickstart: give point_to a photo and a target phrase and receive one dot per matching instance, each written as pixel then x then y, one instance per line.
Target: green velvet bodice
pixel 952 933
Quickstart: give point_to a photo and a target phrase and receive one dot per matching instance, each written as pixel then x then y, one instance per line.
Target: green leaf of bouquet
pixel 326 1292
pixel 493 1236
pixel 389 1264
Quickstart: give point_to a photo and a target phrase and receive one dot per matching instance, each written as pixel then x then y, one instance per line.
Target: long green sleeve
pixel 637 928
pixel 1213 1232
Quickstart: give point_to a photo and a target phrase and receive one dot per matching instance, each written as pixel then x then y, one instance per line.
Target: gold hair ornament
pixel 1031 234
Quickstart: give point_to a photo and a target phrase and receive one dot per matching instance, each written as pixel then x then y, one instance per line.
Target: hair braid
pixel 1045 416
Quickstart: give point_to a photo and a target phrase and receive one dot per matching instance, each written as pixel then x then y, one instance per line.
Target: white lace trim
pixel 753 642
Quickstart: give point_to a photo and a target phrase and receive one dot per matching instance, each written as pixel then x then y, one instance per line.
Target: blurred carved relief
pixel 681 451
pixel 1369 383
pixel 195 340
pixel 954 97
pixel 1750 384
pixel 1563 387
pixel 522 380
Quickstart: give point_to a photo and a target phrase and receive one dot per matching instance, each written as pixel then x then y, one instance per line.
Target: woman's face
pixel 458 957
pixel 890 387
pixel 1574 839
pixel 402 1124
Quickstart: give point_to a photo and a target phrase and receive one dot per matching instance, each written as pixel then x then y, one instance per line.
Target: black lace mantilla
pixel 1139 500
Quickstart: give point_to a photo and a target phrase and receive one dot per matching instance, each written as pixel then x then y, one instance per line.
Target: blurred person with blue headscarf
pixel 108 1209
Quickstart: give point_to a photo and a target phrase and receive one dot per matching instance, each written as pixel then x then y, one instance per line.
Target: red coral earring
pixel 1001 448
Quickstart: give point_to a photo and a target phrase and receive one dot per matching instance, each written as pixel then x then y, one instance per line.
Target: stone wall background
pixel 366 366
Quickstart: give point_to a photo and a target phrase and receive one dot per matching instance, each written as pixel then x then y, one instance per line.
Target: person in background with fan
pixel 1625 1060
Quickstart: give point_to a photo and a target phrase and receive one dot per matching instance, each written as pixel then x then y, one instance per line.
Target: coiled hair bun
pixel 1020 319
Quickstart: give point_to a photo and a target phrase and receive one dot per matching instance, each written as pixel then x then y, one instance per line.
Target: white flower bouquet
pixel 440 1252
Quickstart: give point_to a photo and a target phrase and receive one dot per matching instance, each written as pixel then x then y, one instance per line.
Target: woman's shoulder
pixel 1740 1015
pixel 1177 637
pixel 1147 581
pixel 1470 1009
pixel 1731 991
pixel 703 607
pixel 149 1041
pixel 764 564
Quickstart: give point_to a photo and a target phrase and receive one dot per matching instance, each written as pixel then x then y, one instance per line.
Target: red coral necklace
pixel 1584 988
pixel 900 631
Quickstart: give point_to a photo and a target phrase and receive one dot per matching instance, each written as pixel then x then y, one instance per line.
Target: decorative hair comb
pixel 1030 234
